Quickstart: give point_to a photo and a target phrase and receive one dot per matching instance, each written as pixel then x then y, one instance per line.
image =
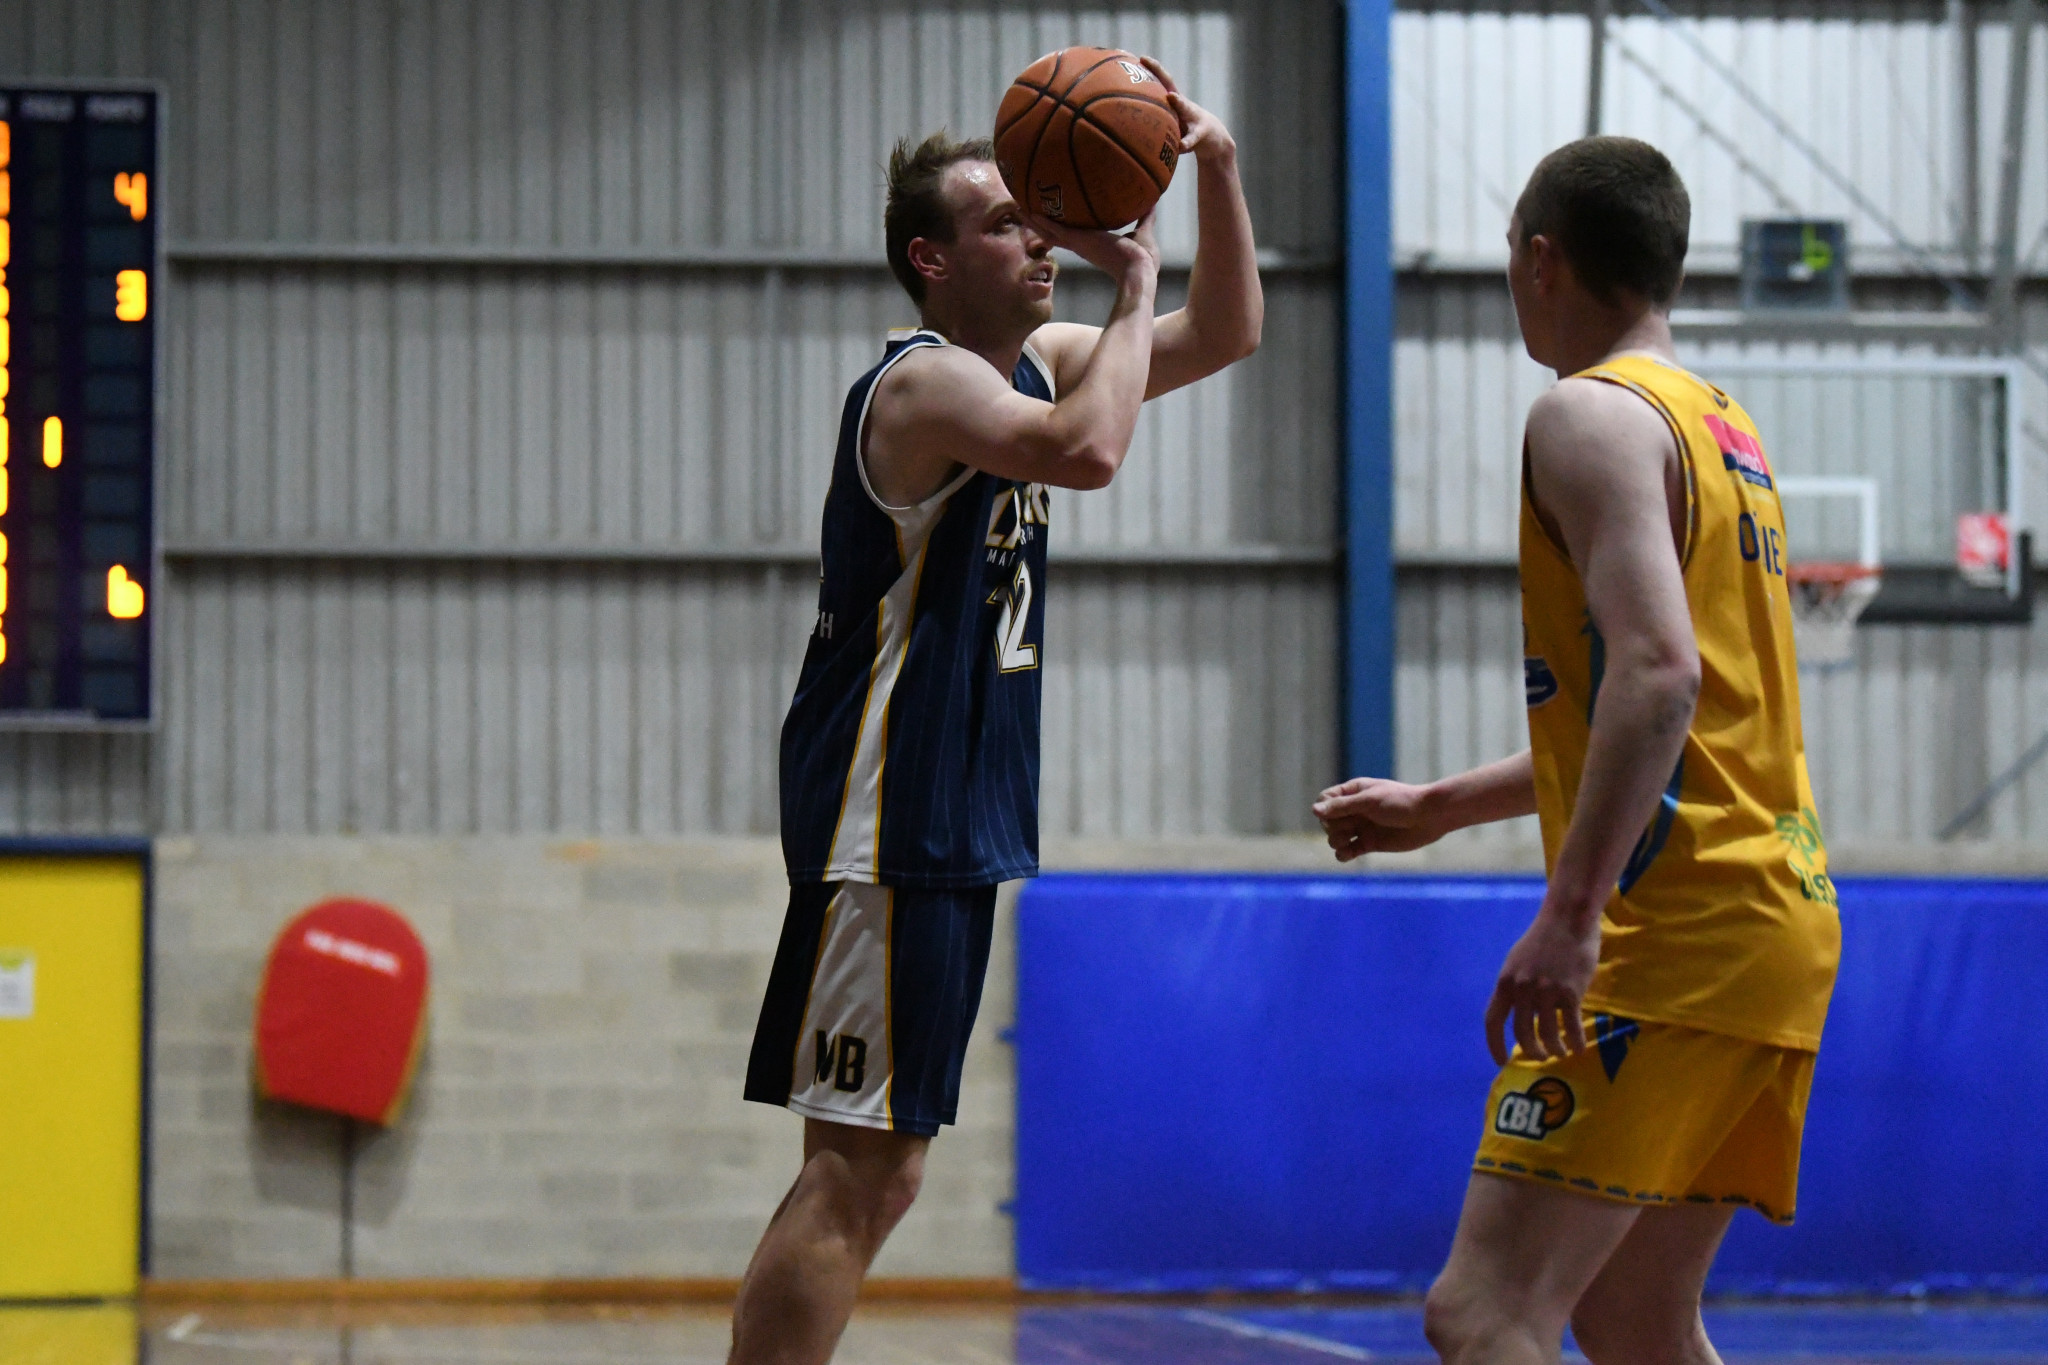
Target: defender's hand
pixel 1376 815
pixel 1124 257
pixel 1541 984
pixel 1201 132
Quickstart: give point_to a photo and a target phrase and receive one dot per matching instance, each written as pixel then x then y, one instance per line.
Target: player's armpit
pixel 943 407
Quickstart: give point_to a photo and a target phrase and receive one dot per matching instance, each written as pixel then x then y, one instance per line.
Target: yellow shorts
pixel 1655 1114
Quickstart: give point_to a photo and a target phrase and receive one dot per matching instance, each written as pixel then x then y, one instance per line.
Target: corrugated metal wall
pixel 1482 91
pixel 509 339
pixel 507 351
pixel 1902 740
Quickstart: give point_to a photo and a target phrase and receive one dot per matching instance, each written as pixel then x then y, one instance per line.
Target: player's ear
pixel 927 258
pixel 1548 266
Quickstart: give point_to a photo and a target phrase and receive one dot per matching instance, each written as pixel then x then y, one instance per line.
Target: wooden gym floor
pixel 928 1334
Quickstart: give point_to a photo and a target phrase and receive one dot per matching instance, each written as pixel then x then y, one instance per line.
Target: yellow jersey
pixel 1724 918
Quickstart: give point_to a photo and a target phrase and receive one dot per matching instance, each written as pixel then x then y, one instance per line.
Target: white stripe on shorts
pixel 843 1053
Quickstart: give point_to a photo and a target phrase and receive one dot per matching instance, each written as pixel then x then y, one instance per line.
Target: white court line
pixel 1301 1339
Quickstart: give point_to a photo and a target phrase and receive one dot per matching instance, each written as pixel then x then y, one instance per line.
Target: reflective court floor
pixel 1148 1334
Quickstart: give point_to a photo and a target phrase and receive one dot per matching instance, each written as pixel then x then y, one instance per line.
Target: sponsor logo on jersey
pixel 1539 684
pixel 1741 454
pixel 1543 1108
pixel 1807 856
pixel 1011 518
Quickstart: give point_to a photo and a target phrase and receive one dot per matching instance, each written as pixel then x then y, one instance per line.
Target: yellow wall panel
pixel 99 1335
pixel 70 1075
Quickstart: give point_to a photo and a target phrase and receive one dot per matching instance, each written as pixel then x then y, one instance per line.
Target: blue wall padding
pixel 1278 1082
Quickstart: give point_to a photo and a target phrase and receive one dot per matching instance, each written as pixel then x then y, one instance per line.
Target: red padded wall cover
pixel 342 1010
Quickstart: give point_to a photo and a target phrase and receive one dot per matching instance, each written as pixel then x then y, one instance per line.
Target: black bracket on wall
pixel 1915 595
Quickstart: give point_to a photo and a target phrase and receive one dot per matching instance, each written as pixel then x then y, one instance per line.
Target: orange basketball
pixel 1085 136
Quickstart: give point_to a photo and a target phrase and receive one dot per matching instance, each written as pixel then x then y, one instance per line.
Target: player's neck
pixel 1000 349
pixel 1599 340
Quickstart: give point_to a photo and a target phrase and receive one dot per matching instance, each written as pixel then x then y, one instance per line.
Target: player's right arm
pixel 942 407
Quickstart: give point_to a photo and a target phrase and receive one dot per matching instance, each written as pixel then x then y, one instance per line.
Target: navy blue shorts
pixel 870 1002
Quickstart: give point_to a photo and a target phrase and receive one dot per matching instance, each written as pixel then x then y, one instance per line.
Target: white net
pixel 1825 605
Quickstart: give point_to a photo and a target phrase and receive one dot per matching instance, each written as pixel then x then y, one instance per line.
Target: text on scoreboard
pixel 78 271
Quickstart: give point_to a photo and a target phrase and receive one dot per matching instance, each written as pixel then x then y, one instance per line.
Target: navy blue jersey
pixel 910 752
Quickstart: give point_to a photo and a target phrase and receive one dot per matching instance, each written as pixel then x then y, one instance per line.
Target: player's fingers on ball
pixel 1152 65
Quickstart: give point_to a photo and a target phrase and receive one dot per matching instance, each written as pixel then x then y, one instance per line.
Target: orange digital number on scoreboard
pixel 78 390
pixel 131 296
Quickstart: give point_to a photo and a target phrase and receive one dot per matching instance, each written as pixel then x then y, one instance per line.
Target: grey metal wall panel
pixel 465 699
pixel 534 406
pixel 1481 94
pixel 62 784
pixel 1458 680
pixel 1187 703
pixel 630 700
pixel 637 123
pixel 652 408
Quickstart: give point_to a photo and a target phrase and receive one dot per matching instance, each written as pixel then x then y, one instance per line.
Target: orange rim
pixel 1833 573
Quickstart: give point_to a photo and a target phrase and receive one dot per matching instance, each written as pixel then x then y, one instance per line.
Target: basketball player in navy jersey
pixel 910 752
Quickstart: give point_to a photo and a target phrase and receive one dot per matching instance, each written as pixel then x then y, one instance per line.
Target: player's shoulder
pixel 1582 413
pixel 932 377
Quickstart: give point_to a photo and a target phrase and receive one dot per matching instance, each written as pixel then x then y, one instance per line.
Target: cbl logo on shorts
pixel 1543 1108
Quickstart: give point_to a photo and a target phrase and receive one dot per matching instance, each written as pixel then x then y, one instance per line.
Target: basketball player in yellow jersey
pixel 1667 1001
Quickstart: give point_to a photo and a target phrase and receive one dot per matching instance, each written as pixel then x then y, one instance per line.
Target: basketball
pixel 1085 136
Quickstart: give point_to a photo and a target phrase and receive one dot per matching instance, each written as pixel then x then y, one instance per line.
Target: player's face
pixel 1002 264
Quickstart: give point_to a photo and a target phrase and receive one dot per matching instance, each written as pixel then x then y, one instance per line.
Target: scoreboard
pixel 79 271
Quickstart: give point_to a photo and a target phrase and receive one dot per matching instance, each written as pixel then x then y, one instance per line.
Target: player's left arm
pixel 1602 472
pixel 1226 307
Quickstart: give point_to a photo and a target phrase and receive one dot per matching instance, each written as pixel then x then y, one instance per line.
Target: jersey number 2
pixel 1012 654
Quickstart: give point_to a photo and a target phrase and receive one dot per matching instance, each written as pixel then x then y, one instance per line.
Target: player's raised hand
pixel 1201 132
pixel 1376 815
pixel 1541 984
pixel 1115 253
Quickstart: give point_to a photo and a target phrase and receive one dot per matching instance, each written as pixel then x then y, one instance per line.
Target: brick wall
pixel 577 1109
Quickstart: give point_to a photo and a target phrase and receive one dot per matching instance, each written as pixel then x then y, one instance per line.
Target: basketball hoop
pixel 1826 600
